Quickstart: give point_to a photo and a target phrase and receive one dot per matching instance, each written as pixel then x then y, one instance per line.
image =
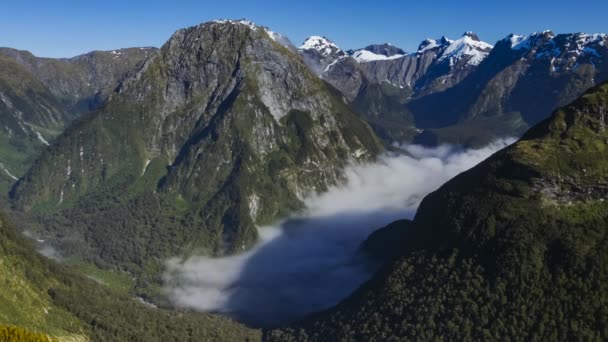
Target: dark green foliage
pixel 188 157
pixel 90 309
pixel 383 107
pixel 513 249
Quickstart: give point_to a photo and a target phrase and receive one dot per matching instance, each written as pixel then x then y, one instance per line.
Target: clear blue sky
pixel 57 28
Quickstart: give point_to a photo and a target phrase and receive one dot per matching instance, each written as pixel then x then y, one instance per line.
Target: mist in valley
pixel 310 261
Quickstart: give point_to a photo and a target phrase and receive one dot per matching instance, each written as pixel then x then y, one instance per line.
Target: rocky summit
pixel 220 130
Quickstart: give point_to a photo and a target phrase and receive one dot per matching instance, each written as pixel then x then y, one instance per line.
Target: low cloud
pixel 310 261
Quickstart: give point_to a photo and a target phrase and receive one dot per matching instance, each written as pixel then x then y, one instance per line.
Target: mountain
pixel 515 248
pixel 463 91
pixel 222 130
pixel 437 65
pixel 319 53
pixel 81 83
pixel 517 85
pixel 30 114
pixel 376 52
pixel 39 295
pixel 40 97
pixel 385 49
pixel 380 79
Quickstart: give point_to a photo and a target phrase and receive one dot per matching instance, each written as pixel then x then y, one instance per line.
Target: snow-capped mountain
pixel 563 52
pixel 438 64
pixel 320 53
pixel 468 47
pixel 519 83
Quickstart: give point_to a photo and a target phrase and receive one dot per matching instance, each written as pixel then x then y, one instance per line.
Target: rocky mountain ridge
pixel 222 130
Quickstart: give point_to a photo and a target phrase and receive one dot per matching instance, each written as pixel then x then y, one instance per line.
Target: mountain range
pixel 122 159
pixel 462 91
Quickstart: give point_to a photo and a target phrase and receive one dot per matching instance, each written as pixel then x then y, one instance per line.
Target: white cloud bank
pixel 310 262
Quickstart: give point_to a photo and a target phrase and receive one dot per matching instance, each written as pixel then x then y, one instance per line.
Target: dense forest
pixel 40 295
pixel 514 249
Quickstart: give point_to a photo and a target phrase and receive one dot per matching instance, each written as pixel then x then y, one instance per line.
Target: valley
pixel 231 185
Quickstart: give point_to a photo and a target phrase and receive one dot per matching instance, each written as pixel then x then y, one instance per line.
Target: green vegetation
pixel 17 334
pixel 513 249
pixel 383 107
pixel 39 295
pixel 158 173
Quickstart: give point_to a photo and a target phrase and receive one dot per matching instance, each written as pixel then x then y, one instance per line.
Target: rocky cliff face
pixel 221 130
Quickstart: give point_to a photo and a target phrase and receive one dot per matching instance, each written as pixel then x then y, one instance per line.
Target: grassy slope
pixel 40 295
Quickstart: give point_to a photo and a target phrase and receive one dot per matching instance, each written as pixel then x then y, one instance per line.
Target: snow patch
pixel 519 42
pixel 41 138
pixel 145 166
pixel 363 56
pixel 245 22
pixel 8 172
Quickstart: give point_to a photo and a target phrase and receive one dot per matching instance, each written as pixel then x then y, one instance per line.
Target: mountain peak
pixel 430 43
pixel 385 49
pixel 468 46
pixel 320 44
pixel 471 35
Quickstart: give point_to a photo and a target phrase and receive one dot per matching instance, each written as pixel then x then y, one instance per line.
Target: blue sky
pixel 57 28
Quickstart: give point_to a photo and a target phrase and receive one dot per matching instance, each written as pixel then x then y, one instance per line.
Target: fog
pixel 310 261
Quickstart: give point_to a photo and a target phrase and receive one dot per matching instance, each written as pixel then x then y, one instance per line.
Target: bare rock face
pixel 222 129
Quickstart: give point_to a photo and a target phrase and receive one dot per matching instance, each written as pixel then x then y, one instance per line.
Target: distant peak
pixel 444 40
pixel 321 44
pixel 472 35
pixel 385 49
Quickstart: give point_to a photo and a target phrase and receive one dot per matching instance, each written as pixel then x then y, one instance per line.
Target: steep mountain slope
pixel 39 97
pixel 42 296
pixel 83 82
pixel 30 116
pixel 514 249
pixel 223 129
pixel 521 81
